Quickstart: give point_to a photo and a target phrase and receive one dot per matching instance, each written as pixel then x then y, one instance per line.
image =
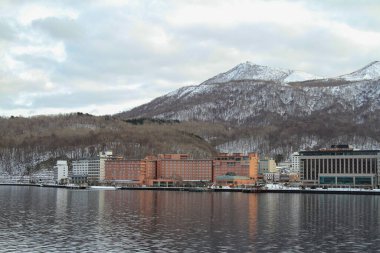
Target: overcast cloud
pixel 104 57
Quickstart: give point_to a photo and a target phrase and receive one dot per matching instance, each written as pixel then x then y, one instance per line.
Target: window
pixel 363 181
pixel 327 180
pixel 345 180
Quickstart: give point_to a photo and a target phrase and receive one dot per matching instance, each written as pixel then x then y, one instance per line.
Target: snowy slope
pixel 259 102
pixel 243 95
pixel 300 76
pixel 369 72
pixel 251 97
pixel 250 71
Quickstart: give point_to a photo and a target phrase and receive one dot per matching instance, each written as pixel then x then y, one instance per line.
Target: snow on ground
pixel 300 76
pixel 369 72
pixel 283 187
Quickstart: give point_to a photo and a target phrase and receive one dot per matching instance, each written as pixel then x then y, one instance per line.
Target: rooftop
pixel 338 152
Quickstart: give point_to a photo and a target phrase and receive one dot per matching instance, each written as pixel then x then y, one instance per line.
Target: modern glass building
pixel 340 166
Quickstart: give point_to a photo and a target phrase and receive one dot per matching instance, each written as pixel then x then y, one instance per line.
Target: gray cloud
pixel 58 28
pixel 71 56
pixel 6 31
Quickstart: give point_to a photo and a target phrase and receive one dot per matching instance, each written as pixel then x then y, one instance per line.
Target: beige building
pixel 103 156
pixel 267 166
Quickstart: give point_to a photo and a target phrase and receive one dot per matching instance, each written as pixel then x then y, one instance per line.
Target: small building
pixel 79 179
pixel 271 177
pixel 284 167
pixel 284 177
pixel 43 177
pixel 267 166
pixel 294 177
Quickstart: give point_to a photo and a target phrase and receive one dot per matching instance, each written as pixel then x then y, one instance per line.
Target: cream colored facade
pixel 267 166
pixel 103 156
pixel 253 165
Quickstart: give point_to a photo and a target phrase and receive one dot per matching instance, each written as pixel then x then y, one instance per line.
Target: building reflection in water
pixel 217 221
pixel 252 216
pixel 36 218
pixel 332 211
pixel 61 204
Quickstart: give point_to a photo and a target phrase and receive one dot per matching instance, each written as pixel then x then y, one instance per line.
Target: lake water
pixel 35 219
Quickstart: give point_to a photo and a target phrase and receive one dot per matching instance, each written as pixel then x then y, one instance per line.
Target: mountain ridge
pixel 274 116
pixel 265 116
pixel 270 94
pixel 250 71
pixel 368 72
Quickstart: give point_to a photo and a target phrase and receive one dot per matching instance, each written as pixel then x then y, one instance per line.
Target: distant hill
pixel 26 143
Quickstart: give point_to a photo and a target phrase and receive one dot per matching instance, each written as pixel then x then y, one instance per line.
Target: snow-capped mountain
pixel 254 94
pixel 369 72
pixel 249 71
pixel 275 111
pixel 248 108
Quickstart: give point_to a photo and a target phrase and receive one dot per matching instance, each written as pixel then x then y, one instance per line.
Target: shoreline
pixel 348 191
pixel 248 190
pixel 45 185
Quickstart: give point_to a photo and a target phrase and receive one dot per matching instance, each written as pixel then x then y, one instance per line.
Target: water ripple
pixel 58 220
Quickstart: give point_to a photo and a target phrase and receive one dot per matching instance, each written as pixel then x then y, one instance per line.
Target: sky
pixel 105 57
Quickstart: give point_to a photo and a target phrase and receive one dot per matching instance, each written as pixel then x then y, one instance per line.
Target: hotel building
pixel 237 163
pixel 89 167
pixel 103 156
pixel 181 167
pixel 170 169
pixel 61 171
pixel 124 171
pixel 340 166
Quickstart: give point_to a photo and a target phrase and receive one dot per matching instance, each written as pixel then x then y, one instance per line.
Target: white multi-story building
pixel 93 169
pixel 61 171
pixel 295 158
pixel 89 167
pixel 80 167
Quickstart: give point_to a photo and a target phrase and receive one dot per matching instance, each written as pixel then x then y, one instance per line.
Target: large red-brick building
pixel 185 170
pixel 124 170
pixel 180 168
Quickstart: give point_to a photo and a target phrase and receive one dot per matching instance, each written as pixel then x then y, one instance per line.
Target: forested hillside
pixel 26 142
